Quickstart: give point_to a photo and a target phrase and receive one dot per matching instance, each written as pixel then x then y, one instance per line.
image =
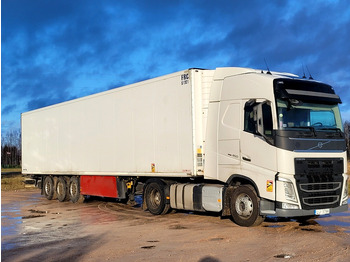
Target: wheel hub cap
pixel 244 205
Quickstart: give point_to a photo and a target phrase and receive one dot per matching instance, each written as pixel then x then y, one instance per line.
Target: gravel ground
pixel 36 229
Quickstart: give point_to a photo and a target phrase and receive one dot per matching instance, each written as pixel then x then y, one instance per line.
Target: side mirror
pixel 258 118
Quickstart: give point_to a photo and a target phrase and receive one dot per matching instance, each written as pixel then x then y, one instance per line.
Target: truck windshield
pixel 296 114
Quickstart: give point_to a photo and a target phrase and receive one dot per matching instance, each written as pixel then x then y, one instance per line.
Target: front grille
pixel 326 167
pixel 319 182
pixel 319 201
pixel 320 187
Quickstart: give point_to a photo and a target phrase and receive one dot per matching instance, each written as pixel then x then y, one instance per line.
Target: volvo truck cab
pixel 310 148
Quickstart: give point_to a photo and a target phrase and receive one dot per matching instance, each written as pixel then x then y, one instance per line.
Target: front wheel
pixel 244 206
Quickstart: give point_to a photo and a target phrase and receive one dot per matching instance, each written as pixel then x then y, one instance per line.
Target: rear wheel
pixel 245 206
pixel 155 199
pixel 61 189
pixel 48 187
pixel 74 190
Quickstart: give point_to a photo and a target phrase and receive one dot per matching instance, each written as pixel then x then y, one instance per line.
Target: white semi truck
pixel 238 141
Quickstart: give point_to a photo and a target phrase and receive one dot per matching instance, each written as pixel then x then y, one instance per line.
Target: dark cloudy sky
pixel 57 50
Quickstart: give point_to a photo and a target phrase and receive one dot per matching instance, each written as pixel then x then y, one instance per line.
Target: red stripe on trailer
pixel 105 186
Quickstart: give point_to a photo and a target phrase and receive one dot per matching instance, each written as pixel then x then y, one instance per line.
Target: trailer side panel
pixel 141 128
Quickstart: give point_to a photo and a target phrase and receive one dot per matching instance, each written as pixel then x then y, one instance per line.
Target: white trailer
pixel 239 141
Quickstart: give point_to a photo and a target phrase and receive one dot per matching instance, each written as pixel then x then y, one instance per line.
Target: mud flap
pixel 228 191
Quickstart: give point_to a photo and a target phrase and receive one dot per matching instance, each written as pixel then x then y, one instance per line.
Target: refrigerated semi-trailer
pixel 241 142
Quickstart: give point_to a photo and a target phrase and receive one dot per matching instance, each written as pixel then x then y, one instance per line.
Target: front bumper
pixel 299 212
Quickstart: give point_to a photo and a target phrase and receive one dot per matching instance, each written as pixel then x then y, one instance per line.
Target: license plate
pixel 319 212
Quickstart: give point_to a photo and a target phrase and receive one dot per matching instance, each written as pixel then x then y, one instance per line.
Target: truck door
pixel 258 155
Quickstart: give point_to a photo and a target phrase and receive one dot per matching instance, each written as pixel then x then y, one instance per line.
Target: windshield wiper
pixel 338 130
pixel 305 127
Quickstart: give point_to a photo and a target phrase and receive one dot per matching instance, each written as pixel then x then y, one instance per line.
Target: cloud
pixel 58 50
pixel 8 109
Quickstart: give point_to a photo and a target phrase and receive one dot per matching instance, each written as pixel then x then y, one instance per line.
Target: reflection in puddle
pixel 11 219
pixel 333 223
pixel 274 226
pixel 338 222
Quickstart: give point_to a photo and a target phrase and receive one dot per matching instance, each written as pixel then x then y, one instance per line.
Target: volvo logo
pixel 320 145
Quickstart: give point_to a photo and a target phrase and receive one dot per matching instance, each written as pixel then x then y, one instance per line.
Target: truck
pixel 239 142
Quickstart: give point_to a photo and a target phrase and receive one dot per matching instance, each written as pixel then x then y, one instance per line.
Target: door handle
pixel 246 159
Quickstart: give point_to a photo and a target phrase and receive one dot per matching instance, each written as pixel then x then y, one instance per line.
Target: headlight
pixel 289 191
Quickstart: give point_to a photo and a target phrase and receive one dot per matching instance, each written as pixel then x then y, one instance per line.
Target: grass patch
pixel 17 169
pixel 12 183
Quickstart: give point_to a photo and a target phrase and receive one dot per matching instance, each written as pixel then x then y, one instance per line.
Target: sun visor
pixel 305 90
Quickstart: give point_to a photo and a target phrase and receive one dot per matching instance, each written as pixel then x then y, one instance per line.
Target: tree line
pixel 11 147
pixel 11 155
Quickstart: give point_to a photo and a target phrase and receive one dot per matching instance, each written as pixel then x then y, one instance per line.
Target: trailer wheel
pixel 48 187
pixel 74 190
pixel 61 189
pixel 244 206
pixel 155 199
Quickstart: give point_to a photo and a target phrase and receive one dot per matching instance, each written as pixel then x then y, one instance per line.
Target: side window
pixel 265 120
pixel 267 116
pixel 249 122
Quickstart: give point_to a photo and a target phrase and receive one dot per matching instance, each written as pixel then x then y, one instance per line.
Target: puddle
pixel 273 226
pixel 343 214
pixel 37 211
pixel 283 256
pixel 148 247
pixel 332 223
pixel 311 229
pixel 338 222
pixel 11 219
pixel 32 216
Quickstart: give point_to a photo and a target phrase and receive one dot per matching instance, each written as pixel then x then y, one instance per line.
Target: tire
pixel 61 189
pixel 244 206
pixel 155 199
pixel 74 190
pixel 49 187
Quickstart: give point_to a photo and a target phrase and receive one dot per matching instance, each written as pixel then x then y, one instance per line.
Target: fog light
pixel 289 206
pixel 345 201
